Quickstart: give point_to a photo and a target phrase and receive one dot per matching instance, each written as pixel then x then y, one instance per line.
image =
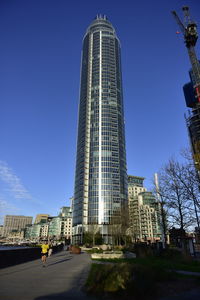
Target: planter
pixel 112 255
pixel 75 250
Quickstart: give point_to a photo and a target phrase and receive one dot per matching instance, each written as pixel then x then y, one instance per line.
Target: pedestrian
pixel 50 249
pixel 44 253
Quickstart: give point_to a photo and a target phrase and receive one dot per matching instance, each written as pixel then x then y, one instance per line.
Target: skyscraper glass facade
pixel 100 195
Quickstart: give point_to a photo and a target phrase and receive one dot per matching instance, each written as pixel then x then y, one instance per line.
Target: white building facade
pixel 144 213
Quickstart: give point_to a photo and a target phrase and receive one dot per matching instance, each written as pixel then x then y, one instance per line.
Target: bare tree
pixel 93 230
pixel 118 226
pixel 190 185
pixel 192 180
pixel 173 192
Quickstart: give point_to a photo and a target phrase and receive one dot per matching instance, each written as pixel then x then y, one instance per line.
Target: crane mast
pixel 189 31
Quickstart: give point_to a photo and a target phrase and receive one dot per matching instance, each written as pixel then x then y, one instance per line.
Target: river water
pixel 12 247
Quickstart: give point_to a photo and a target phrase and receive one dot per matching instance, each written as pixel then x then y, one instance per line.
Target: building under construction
pixel 192 89
pixel 193 120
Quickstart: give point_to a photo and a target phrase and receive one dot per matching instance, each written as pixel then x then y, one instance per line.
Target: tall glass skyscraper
pixel 100 195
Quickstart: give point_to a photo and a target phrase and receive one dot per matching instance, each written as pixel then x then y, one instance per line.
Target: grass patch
pixel 164 263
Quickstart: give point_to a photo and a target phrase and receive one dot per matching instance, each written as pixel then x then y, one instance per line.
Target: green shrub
pixel 118 248
pixel 87 238
pixel 143 250
pixel 171 253
pixel 108 278
pixel 143 282
pixel 95 250
pixel 118 278
pixel 98 239
pixel 127 279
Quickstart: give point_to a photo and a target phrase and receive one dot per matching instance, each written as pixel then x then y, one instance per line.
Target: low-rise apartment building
pixel 144 213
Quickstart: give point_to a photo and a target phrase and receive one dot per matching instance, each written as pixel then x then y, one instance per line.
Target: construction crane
pixel 189 30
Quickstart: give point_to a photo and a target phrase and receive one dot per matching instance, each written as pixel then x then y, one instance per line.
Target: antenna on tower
pixel 161 209
pixel 157 186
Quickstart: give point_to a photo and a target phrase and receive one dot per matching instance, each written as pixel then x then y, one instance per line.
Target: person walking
pixel 44 253
pixel 50 249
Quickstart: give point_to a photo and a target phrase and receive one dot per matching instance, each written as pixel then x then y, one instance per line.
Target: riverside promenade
pixel 62 278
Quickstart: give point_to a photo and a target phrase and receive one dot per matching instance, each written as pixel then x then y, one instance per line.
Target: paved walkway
pixel 62 278
pixel 194 294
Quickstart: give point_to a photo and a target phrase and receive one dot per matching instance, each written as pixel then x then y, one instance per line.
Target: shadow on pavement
pixel 58 255
pixel 60 261
pixel 20 270
pixel 73 294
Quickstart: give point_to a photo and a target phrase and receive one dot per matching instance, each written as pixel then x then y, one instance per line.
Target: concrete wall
pixel 18 256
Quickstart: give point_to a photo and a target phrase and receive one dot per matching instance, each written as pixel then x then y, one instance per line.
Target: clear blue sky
pixel 40 54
